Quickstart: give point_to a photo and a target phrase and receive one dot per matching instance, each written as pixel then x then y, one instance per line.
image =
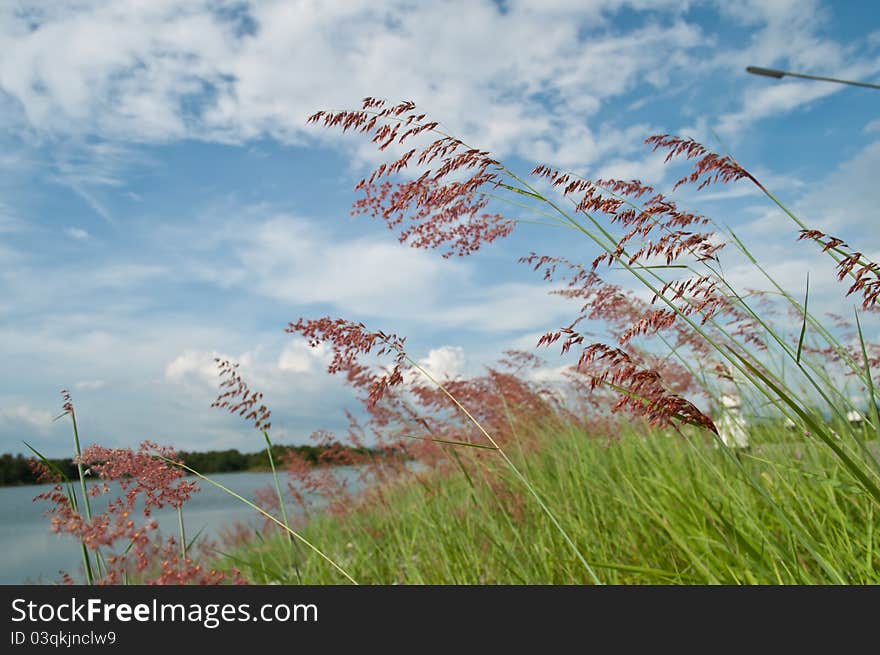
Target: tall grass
pixel 444 195
pixel 644 506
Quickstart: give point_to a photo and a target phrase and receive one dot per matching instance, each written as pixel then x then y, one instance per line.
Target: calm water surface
pixel 31 553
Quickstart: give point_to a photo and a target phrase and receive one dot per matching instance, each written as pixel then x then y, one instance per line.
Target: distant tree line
pixel 16 470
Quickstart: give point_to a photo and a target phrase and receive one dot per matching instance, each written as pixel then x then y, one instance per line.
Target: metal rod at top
pixel 777 74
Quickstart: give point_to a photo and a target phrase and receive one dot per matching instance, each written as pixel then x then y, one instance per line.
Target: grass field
pixel 642 508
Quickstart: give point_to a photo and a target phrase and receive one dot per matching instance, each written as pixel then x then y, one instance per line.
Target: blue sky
pixel 162 200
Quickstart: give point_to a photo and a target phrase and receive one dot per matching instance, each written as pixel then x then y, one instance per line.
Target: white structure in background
pixel 732 427
pixel 855 418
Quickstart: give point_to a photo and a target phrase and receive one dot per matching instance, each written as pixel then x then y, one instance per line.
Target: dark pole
pixel 776 74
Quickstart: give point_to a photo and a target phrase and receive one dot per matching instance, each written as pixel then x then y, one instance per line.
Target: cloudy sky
pixel 162 200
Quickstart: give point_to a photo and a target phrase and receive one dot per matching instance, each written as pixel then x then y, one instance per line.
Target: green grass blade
pixel 71 496
pixel 260 510
pixel 195 538
pixel 450 442
pixel 521 191
pixel 800 345
pixel 49 463
pixel 869 381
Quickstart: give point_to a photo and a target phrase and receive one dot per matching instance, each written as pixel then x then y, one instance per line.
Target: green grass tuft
pixel 642 508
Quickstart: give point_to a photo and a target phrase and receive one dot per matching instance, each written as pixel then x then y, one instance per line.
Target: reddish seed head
pixel 350 341
pixel 711 167
pixel 141 473
pixel 145 481
pixel 68 403
pixel 239 391
pixel 443 207
pixel 864 273
pixel 642 390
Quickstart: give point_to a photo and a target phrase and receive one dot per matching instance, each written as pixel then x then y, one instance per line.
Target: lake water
pixel 31 553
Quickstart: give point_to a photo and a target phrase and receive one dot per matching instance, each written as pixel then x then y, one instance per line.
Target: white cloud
pixel 154 72
pixel 790 272
pixel 444 363
pixel 199 369
pixel 90 169
pixel 125 276
pixel 551 376
pixel 165 70
pixel 788 30
pixel 297 389
pixel 110 288
pixel 76 233
pixel 788 35
pixel 300 357
pixel 845 202
pixel 527 341
pixel 649 168
pixel 507 307
pixel 24 416
pixel 89 385
pixel 289 259
pixel 780 98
